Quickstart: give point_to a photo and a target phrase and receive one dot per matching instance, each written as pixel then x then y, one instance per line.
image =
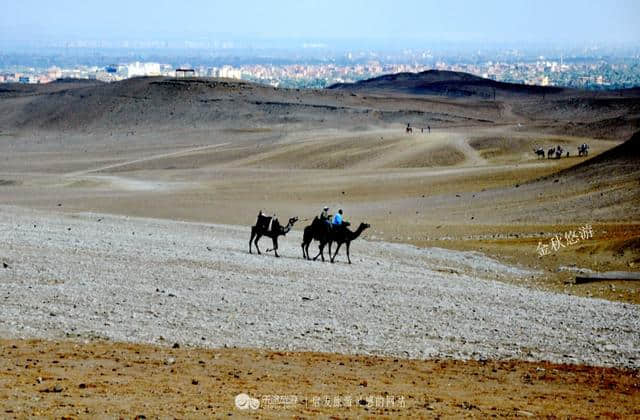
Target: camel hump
pixel 263 221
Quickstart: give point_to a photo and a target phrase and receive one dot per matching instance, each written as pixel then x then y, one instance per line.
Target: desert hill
pixel 617 167
pixel 604 187
pixel 156 102
pixel 435 98
pixel 9 90
pixel 604 114
pixel 624 158
pixel 445 83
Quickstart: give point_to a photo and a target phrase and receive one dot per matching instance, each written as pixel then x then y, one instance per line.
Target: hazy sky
pixel 557 21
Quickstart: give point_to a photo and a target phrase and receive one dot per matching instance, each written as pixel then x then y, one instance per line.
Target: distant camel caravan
pixel 270 227
pixel 325 233
pixel 558 151
pixel 409 129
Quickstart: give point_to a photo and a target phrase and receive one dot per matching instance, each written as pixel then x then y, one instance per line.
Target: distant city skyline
pixel 316 43
pixel 582 72
pixel 314 23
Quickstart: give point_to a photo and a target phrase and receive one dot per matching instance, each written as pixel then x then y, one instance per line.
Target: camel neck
pixel 357 233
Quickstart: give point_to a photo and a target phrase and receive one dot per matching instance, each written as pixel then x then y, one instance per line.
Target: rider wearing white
pixel 325 213
pixel 324 216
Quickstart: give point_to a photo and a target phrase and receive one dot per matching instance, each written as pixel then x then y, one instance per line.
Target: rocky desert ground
pixel 126 212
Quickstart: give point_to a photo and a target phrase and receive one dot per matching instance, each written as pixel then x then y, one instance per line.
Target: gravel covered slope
pixel 158 281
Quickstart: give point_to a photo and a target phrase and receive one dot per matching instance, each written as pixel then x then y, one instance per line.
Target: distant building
pixel 54 73
pixel 143 69
pixel 229 72
pixel 185 72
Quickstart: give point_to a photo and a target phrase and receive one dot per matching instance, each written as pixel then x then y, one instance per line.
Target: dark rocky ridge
pixel 445 83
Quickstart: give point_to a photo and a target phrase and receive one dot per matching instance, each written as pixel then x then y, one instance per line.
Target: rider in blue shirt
pixel 337 219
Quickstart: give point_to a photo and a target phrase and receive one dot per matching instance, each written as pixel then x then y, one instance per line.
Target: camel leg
pixel 256 243
pixel 306 250
pixel 336 254
pixel 320 253
pixel 275 247
pixel 348 257
pixel 253 233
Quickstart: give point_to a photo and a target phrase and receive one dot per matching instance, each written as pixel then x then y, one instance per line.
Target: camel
pixel 539 151
pixel 583 149
pixel 558 152
pixel 319 231
pixel 551 152
pixel 345 236
pixel 322 233
pixel 261 229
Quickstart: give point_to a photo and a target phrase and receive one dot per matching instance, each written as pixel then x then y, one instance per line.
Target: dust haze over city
pixel 346 209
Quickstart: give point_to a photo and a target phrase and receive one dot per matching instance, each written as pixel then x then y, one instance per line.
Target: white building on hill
pixel 143 69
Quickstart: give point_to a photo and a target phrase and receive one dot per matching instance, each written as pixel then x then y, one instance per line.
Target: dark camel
pixel 583 149
pixel 345 236
pixel 261 229
pixel 539 151
pixel 319 231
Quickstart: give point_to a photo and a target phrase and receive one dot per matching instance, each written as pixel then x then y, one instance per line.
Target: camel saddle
pixel 267 223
